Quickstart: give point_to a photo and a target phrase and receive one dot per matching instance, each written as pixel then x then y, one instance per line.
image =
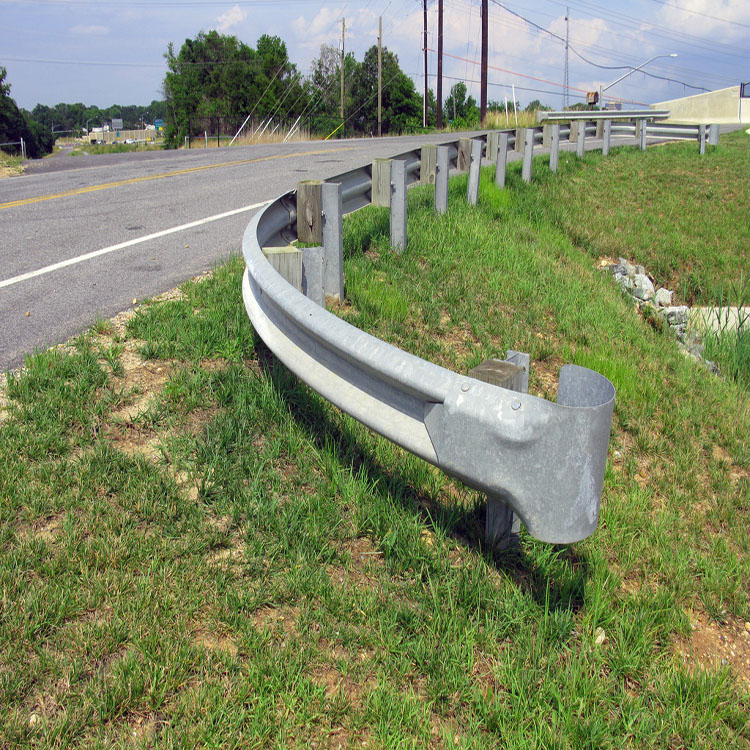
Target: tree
pixel 15 124
pixel 536 106
pixel 460 107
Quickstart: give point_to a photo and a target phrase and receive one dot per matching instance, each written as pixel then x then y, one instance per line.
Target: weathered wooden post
pixel 702 133
pixel 501 160
pixel 575 127
pixel 381 182
pixel 333 240
pixel 475 168
pixel 503 526
pixel 554 147
pixel 581 142
pixel 491 150
pixel 309 212
pixel 464 154
pixel 398 204
pixel 528 154
pixel 442 172
pixel 713 135
pixel 520 142
pixel 287 262
pixel 428 159
pixel 606 137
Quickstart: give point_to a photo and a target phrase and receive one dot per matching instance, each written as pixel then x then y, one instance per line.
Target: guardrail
pixel 17 143
pixel 538 461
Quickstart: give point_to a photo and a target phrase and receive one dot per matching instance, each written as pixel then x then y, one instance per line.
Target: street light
pixel 602 89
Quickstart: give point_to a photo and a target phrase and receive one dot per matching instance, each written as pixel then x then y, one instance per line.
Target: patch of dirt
pixel 713 645
pixel 146 377
pixel 361 564
pixel 143 727
pixel 337 685
pixel 132 440
pixel 544 376
pixel 273 618
pixel 212 640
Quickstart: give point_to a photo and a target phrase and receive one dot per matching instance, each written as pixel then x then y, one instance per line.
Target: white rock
pixel 644 289
pixel 599 636
pixel 663 297
pixel 677 316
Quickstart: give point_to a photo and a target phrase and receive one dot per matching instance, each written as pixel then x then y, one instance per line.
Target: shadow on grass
pixel 553 575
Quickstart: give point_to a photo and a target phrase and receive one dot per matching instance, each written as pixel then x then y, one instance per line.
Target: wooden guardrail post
pixel 475 168
pixel 442 172
pixel 606 137
pixel 528 154
pixel 287 262
pixel 554 147
pixel 333 241
pixel 575 127
pixel 398 204
pixel 428 159
pixel 713 135
pixel 702 133
pixel 381 182
pixel 642 130
pixel 581 142
pixel 463 160
pixel 491 150
pixel 501 159
pixel 309 212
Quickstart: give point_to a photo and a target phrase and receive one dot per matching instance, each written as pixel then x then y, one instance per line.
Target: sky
pixel 103 52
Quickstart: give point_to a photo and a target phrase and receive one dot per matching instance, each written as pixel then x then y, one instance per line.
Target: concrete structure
pixel 723 107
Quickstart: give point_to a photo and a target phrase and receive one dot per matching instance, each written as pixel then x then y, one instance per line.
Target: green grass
pixel 10 165
pixel 198 551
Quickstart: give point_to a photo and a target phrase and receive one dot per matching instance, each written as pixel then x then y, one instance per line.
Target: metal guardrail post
pixel 442 174
pixel 581 142
pixel 713 135
pixel 313 274
pixel 606 137
pixel 501 159
pixel 475 168
pixel 333 240
pixel 398 204
pixel 702 133
pixel 528 154
pixel 642 133
pixel 427 164
pixel 554 147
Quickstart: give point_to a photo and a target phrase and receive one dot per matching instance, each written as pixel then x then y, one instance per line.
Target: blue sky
pixel 106 52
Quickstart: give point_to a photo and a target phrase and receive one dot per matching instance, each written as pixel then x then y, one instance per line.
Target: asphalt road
pixel 134 225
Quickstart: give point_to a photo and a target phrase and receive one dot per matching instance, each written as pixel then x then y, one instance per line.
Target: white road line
pixel 122 245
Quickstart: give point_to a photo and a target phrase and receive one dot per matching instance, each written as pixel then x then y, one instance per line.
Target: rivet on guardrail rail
pixel 475 168
pixel 398 204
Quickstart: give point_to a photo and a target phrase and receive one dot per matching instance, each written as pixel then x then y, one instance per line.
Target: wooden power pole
pixel 426 86
pixel 440 67
pixel 380 76
pixel 343 58
pixel 483 76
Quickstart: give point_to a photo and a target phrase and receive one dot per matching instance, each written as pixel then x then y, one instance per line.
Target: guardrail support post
pixel 554 147
pixel 606 137
pixel 463 160
pixel 309 212
pixel 381 182
pixel 702 139
pixel 333 240
pixel 528 154
pixel 475 168
pixel 713 135
pixel 502 525
pixel 491 151
pixel 287 262
pixel 642 134
pixel 313 274
pixel 398 204
pixel 581 142
pixel 441 179
pixel 427 164
pixel 574 129
pixel 501 159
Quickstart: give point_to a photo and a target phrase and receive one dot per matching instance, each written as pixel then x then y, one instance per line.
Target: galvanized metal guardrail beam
pixel 605 114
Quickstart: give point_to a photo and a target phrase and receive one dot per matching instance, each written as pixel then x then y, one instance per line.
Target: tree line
pixel 17 124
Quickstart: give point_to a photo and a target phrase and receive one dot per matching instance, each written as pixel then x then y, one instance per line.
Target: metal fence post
pixel 702 139
pixel 333 240
pixel 606 137
pixel 441 179
pixel 554 147
pixel 475 168
pixel 398 204
pixel 581 142
pixel 713 135
pixel 528 154
pixel 501 160
pixel 313 274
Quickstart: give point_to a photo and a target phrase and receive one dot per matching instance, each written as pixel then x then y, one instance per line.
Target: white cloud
pixel 230 18
pixel 709 18
pixel 90 30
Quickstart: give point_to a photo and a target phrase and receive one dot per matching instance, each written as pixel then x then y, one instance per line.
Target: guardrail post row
pixel 606 137
pixel 381 182
pixel 554 147
pixel 713 135
pixel 309 212
pixel 333 240
pixel 442 174
pixel 398 204
pixel 428 156
pixel 581 141
pixel 475 168
pixel 463 160
pixel 528 154
pixel 501 160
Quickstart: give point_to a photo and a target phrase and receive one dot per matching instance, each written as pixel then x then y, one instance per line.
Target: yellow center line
pixel 176 173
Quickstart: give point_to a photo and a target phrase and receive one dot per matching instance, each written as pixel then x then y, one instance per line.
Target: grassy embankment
pixel 10 166
pixel 198 551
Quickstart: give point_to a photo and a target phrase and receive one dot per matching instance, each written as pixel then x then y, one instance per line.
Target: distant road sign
pixel 116 124
pixel 159 124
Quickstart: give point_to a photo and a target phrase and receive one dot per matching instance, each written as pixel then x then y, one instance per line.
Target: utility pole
pixel 343 57
pixel 424 108
pixel 483 76
pixel 566 100
pixel 380 75
pixel 440 67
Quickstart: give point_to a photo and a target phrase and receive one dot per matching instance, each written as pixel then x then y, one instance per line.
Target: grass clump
pixel 198 550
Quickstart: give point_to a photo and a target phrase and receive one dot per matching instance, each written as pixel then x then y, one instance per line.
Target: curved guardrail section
pixel 545 460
